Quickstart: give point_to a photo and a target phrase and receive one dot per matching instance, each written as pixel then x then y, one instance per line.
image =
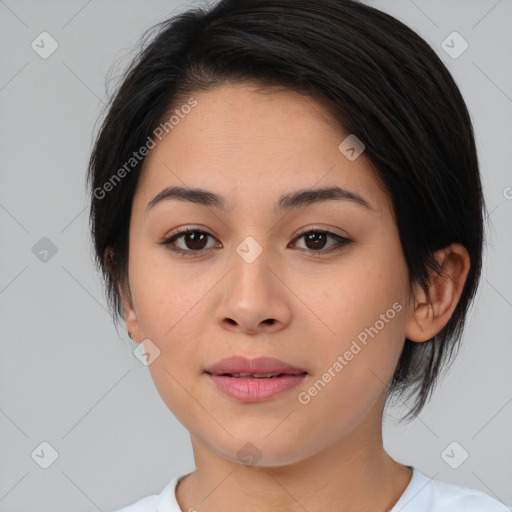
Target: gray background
pixel 66 376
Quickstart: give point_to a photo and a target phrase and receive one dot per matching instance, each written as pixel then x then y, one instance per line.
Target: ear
pixel 129 313
pixel 444 291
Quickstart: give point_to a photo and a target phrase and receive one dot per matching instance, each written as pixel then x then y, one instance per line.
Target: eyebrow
pixel 298 199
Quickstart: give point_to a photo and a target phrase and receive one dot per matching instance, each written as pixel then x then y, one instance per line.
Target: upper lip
pixel 240 364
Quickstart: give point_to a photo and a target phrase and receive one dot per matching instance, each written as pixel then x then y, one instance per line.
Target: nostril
pixel 269 321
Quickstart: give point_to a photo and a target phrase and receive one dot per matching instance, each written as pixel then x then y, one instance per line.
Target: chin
pixel 263 450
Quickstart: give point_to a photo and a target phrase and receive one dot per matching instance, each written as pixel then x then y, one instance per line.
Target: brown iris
pixel 315 240
pixel 196 240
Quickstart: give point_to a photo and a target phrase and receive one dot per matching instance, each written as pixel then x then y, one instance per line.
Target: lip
pixel 254 389
pixel 240 364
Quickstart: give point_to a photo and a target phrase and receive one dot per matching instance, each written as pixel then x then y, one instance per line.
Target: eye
pixel 194 241
pixel 316 241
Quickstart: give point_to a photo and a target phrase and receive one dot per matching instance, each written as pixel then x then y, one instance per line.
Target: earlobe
pixel 130 318
pixel 444 291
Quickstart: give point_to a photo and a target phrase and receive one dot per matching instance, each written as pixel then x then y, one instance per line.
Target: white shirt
pixel 421 495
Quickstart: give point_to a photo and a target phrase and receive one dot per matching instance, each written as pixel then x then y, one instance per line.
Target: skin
pixel 251 146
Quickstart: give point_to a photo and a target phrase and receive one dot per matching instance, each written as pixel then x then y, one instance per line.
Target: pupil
pixel 318 240
pixel 195 240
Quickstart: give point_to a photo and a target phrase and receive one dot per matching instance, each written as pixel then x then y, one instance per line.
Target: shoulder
pixel 146 504
pixel 163 502
pixel 451 497
pixel 427 495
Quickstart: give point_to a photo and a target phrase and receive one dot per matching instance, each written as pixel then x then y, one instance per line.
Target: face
pixel 320 284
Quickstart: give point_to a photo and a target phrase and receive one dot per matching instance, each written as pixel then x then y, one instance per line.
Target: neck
pixel 354 474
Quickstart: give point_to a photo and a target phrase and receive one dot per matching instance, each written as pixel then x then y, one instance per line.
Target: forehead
pixel 256 142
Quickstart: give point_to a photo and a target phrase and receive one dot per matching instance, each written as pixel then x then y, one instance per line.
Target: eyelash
pixel 169 242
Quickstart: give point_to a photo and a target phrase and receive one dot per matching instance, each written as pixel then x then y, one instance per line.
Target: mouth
pixel 256 375
pixel 254 380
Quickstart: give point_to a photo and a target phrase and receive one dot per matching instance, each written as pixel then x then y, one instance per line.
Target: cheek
pixel 354 296
pixel 362 309
pixel 171 312
pixel 167 295
pixel 353 367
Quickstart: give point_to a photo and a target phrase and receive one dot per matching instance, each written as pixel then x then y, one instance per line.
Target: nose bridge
pixel 252 268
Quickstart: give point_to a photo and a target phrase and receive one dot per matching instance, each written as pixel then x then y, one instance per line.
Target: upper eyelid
pixel 306 230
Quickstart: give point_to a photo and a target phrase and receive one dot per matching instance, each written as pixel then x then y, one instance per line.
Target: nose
pixel 254 298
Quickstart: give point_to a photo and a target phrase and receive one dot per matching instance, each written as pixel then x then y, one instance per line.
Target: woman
pixel 287 209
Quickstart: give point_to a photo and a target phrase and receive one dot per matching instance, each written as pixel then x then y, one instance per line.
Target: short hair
pixel 377 79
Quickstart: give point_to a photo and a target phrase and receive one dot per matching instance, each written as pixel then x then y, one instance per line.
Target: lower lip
pixel 254 389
